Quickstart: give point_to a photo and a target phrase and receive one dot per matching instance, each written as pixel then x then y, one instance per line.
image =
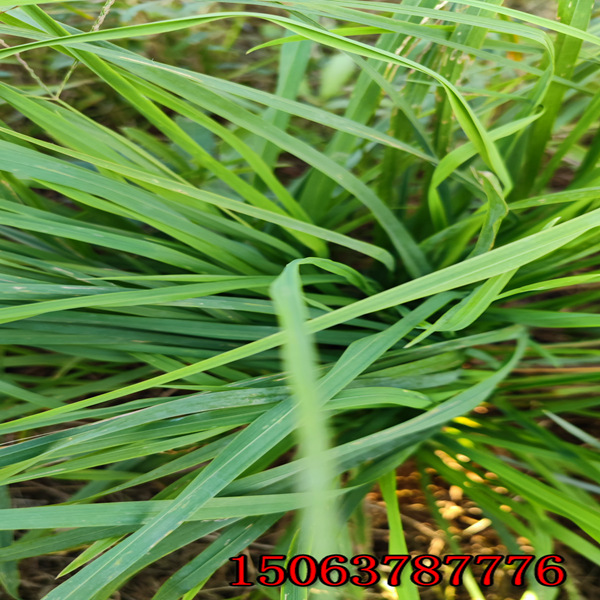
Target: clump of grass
pixel 176 308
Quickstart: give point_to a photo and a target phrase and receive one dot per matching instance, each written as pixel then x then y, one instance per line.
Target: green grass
pixel 176 308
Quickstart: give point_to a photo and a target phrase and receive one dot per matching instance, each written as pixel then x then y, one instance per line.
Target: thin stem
pixel 95 27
